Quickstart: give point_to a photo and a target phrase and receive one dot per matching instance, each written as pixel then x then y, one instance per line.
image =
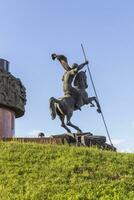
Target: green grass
pixel 56 172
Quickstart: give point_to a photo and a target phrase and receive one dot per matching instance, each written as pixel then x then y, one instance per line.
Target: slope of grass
pixel 46 172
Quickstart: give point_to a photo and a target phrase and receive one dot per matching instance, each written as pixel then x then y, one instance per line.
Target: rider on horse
pixel 68 77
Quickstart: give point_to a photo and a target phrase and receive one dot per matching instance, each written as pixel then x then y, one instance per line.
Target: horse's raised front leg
pixel 97 103
pixel 72 125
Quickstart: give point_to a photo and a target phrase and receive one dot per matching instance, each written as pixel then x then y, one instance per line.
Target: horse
pixel 65 106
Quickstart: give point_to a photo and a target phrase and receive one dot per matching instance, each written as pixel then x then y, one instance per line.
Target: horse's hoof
pixel 99 110
pixel 53 116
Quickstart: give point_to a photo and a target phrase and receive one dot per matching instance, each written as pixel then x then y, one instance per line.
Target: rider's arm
pixel 75 70
pixel 62 59
pixel 64 64
pixel 82 65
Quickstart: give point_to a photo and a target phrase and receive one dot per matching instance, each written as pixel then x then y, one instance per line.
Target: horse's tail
pixel 52 107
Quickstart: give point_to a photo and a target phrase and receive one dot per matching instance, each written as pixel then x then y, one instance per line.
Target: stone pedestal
pixel 85 139
pixel 12 100
pixel 7 123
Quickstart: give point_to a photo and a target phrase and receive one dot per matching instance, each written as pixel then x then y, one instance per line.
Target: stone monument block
pixel 12 100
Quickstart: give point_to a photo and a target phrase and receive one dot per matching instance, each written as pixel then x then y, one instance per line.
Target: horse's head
pixel 81 80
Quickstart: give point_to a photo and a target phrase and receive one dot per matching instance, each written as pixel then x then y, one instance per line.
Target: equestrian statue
pixel 75 95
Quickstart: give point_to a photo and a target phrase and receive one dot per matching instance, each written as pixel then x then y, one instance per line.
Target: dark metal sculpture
pixel 85 139
pixel 75 95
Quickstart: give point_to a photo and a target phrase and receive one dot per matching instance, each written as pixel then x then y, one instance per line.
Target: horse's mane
pixel 78 77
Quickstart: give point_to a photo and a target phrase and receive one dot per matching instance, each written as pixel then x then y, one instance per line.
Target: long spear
pixel 102 115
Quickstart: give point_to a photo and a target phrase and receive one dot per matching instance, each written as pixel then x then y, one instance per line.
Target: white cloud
pixel 127 150
pixel 118 141
pixel 123 146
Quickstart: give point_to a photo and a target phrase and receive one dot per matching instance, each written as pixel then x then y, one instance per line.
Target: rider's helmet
pixel 75 65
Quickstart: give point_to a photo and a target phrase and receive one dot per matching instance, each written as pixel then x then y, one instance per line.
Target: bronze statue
pixel 75 96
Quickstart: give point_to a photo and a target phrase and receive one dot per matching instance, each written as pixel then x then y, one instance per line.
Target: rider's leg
pixel 77 96
pixel 79 100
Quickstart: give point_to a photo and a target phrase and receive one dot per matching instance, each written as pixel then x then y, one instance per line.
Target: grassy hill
pixel 45 172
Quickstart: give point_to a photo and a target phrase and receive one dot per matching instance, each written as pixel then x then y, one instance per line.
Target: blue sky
pixel 31 30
